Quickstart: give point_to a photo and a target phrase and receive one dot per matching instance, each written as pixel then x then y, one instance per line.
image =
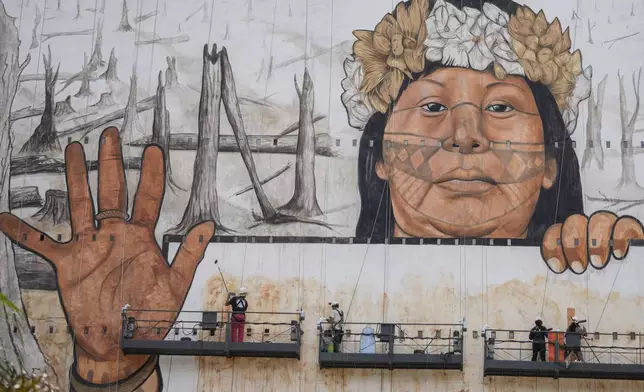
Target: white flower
pixel 580 93
pixel 358 109
pixel 470 38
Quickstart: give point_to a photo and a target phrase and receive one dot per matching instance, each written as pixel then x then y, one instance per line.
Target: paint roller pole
pixel 222 277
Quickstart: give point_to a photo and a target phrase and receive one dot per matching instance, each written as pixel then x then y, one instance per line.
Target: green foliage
pixel 7 302
pixel 15 381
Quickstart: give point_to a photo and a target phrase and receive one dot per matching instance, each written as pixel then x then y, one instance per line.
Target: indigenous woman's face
pixel 464 156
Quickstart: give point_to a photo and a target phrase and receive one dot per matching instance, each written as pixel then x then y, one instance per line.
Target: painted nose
pixel 467 131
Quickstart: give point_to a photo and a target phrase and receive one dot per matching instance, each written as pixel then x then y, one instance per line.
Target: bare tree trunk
pixel 593 149
pixel 171 77
pixel 34 31
pixel 64 108
pixel 304 201
pixel 45 138
pixel 165 7
pixel 110 72
pixel 96 59
pixel 628 179
pixel 633 9
pixel 590 31
pixel 78 10
pixel 58 6
pixel 206 15
pixel 124 25
pixel 161 130
pixel 227 34
pixel 18 346
pixel 231 104
pixel 204 202
pixel 56 208
pixel 131 120
pixel 249 11
pixel 85 89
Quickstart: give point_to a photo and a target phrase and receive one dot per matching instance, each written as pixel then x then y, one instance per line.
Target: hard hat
pixel 574 318
pixel 243 291
pixel 334 303
pixel 537 318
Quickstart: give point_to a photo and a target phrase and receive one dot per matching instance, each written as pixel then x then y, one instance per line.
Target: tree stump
pixel 25 197
pixel 124 25
pixel 110 72
pixel 105 101
pixel 64 108
pixel 56 208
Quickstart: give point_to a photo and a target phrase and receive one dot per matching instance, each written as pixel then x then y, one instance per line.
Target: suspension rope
pixel 608 296
pixel 364 258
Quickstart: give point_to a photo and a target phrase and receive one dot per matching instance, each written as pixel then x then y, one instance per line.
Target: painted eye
pixel 499 108
pixel 434 107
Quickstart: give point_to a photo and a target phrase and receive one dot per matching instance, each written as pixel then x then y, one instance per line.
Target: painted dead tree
pixel 18 345
pixel 124 25
pixel 171 77
pixel 304 201
pixel 204 202
pixel 85 89
pixel 594 150
pixel 231 105
pixel 78 10
pixel 110 73
pixel 45 138
pixel 34 31
pixel 56 208
pixel 161 130
pixel 131 122
pixel 628 181
pixel 64 108
pixel 105 101
pixel 96 59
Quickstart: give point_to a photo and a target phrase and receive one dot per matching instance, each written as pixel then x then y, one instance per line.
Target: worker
pixel 337 321
pixel 239 306
pixel 573 336
pixel 325 334
pixel 538 337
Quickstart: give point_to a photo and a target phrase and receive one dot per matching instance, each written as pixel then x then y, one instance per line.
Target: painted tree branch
pixel 19 344
pixel 204 201
pixel 165 41
pixel 593 149
pixel 131 118
pixel 34 31
pixel 25 197
pixel 96 59
pixel 84 90
pixel 296 125
pixel 231 105
pixel 145 17
pixel 265 180
pixel 45 138
pixel 304 201
pixel 142 106
pixel 171 77
pixel 48 36
pixel 43 164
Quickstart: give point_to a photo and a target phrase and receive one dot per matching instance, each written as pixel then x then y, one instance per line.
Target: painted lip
pixel 470 182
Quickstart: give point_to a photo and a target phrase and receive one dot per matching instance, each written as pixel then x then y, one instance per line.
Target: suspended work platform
pixel 392 346
pixel 610 356
pixel 264 334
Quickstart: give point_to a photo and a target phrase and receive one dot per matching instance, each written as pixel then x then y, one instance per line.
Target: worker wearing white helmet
pixel 337 320
pixel 538 337
pixel 573 336
pixel 239 306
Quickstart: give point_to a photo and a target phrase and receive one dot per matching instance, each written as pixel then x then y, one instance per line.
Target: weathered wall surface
pixel 525 139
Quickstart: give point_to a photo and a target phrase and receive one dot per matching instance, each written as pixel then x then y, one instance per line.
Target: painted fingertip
pixel 555 264
pixel 618 253
pixel 596 261
pixel 577 266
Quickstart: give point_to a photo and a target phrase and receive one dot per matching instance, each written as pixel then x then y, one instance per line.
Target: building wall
pixel 129 44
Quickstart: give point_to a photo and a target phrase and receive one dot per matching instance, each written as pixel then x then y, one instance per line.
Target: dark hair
pixel 563 199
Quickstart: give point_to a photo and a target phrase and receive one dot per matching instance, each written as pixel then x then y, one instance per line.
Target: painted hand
pixel 581 241
pixel 113 261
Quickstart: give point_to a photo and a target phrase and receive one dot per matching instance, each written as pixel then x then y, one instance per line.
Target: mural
pixel 448 119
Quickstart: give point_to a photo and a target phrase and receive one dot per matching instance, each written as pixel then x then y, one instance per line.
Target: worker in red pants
pixel 238 318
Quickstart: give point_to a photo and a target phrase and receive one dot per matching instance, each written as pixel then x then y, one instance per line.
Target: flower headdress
pixel 524 44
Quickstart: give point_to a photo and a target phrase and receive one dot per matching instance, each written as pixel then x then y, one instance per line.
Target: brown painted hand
pixel 116 261
pixel 581 241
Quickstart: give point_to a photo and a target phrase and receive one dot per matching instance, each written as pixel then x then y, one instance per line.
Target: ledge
pixel 386 361
pixel 558 370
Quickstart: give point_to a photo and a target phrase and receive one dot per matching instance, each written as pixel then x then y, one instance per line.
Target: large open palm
pixel 110 260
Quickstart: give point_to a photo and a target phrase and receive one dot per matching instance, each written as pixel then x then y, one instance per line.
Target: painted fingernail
pixel 577 266
pixel 596 260
pixel 617 253
pixel 555 264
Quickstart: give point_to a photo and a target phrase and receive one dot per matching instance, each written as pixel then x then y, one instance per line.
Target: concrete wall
pixel 268 43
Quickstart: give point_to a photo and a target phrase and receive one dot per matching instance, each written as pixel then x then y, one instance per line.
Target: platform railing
pixel 395 338
pixel 211 326
pixel 596 347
